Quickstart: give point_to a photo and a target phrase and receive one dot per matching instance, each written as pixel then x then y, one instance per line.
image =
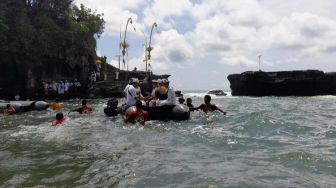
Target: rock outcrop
pixel 284 83
pixel 217 92
pixel 23 76
pixel 115 81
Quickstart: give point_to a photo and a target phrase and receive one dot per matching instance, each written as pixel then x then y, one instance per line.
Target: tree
pixel 37 32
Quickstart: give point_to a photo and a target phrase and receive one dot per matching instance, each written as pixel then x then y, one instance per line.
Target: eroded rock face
pixel 24 76
pixel 284 83
pixel 114 87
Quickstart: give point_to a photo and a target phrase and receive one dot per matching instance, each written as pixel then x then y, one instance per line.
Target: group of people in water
pixel 161 95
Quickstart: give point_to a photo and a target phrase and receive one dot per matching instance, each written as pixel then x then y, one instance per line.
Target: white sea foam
pixel 202 94
pixel 257 136
pixel 325 97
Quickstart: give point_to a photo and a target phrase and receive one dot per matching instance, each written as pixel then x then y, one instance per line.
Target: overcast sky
pixel 201 42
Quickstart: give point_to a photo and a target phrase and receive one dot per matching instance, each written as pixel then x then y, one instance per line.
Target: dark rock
pixel 217 92
pixel 284 83
pixel 23 76
pixel 107 89
pixel 114 85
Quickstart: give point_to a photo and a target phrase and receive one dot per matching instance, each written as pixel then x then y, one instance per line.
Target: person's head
pixel 135 82
pixel 181 100
pixel 138 105
pixel 112 102
pixel 207 98
pixel 59 116
pixel 189 100
pixel 165 82
pixel 154 82
pixel 8 106
pixel 84 102
pixel 17 97
pixel 57 100
pixel 159 82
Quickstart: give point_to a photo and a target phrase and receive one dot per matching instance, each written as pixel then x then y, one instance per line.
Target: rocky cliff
pixel 115 80
pixel 284 83
pixel 48 41
pixel 24 76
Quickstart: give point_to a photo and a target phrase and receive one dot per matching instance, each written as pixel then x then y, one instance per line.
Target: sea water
pixel 261 142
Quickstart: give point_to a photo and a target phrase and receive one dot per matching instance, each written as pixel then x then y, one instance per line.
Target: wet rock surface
pixel 284 83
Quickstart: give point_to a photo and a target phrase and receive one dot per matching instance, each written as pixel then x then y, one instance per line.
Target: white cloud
pixel 160 10
pixel 116 13
pixel 304 33
pixel 242 33
pixel 237 60
pixel 171 49
pixel 217 35
pixel 230 32
pixel 279 8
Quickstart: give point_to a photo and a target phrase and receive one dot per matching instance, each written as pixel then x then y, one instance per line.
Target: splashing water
pixel 262 142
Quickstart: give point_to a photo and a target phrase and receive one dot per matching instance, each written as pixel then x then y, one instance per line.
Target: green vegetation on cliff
pixel 48 28
pixel 45 39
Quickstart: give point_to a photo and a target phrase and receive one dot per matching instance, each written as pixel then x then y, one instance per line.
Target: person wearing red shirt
pixel 207 106
pixel 9 110
pixel 84 109
pixel 138 116
pixel 58 120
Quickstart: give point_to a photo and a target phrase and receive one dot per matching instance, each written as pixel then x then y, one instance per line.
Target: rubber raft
pixel 25 106
pixel 178 112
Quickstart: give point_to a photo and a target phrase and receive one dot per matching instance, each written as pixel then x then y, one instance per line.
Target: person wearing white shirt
pixel 54 86
pixel 61 88
pixel 126 88
pixel 131 96
pixel 66 86
pixel 133 93
pixel 46 87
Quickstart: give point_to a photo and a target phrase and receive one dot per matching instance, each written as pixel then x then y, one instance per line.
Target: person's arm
pixel 192 108
pixel 216 108
pixel 141 97
pixel 200 107
pixel 153 96
pixel 221 111
pixel 79 109
pixel 124 92
pixel 12 110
